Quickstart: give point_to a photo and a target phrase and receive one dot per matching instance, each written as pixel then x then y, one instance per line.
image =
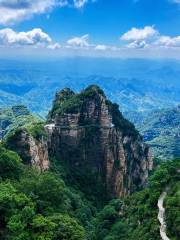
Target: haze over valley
pixel 89 120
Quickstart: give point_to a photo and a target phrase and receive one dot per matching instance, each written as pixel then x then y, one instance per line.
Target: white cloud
pixel 12 11
pixel 79 42
pixel 148 37
pixel 137 44
pixel 54 46
pixel 166 41
pixel 102 47
pixel 36 36
pixel 79 3
pixel 83 43
pixel 140 37
pixel 138 34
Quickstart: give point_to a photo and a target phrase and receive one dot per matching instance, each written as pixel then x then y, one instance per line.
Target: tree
pixel 10 164
pixel 16 212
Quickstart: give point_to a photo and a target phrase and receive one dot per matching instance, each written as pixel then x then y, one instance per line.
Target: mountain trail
pixel 161 216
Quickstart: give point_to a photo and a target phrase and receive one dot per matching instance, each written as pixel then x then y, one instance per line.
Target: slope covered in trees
pixel 52 204
pixel 14 117
pixel 135 217
pixel 36 205
pixel 160 129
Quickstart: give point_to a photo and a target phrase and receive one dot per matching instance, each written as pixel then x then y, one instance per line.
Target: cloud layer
pixel 136 42
pixel 79 42
pixel 12 11
pixel 36 36
pixel 139 34
pixel 136 38
pixel 140 37
pixel 148 37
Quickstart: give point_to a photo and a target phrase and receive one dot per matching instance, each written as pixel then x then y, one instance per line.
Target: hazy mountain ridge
pixel 136 85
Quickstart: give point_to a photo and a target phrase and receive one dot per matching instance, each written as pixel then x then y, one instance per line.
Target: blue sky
pixel 111 28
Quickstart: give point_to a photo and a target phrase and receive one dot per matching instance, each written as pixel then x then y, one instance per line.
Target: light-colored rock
pixel 38 150
pixel 32 151
pixel 161 216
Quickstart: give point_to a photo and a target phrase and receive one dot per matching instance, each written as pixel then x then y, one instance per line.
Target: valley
pixel 82 139
pixel 89 120
pixel 46 166
pixel 160 129
pixel 136 85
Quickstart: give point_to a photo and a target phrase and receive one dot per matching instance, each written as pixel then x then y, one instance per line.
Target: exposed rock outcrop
pixel 31 150
pixel 89 134
pixel 161 216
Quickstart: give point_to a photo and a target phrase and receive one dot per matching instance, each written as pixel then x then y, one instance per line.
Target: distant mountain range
pixel 136 85
pixel 142 88
pixel 161 130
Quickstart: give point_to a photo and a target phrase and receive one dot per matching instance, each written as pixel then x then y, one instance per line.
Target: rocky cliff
pixel 32 150
pixel 88 134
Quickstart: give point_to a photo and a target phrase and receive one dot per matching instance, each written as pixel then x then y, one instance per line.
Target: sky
pixel 97 28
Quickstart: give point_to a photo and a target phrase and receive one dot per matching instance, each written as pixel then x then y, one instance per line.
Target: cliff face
pixel 88 133
pixel 31 150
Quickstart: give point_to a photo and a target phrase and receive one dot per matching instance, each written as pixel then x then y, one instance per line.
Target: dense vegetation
pixel 15 117
pixel 38 206
pixel 45 206
pixel 135 217
pixel 53 206
pixel 172 206
pixel 66 101
pixel 161 131
pixel 119 121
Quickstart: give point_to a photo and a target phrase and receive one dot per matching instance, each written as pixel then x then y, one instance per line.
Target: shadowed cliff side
pixel 102 150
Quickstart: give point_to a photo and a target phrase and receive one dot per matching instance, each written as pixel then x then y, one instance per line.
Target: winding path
pixel 161 216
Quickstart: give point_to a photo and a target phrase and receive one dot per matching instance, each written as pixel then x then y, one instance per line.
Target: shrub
pixel 10 164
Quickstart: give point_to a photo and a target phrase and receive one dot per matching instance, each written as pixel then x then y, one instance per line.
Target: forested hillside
pixel 39 206
pixel 49 193
pixel 14 117
pixel 160 129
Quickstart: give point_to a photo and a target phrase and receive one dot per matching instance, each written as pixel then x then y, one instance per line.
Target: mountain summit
pixel 99 146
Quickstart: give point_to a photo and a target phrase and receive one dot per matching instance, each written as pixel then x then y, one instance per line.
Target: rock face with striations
pixel 32 151
pixel 101 148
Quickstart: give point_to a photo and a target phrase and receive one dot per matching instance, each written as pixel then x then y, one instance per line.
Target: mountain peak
pixel 63 95
pixel 91 135
pixel 60 98
pixel 94 89
pixel 65 92
pixel 67 102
